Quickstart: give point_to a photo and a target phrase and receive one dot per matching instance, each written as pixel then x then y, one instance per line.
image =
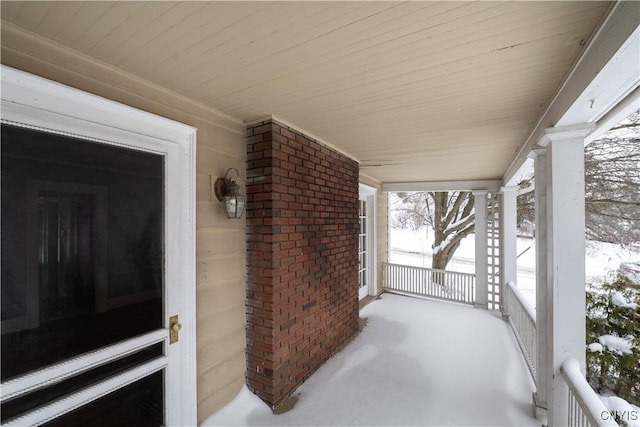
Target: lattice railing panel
pixel 493 251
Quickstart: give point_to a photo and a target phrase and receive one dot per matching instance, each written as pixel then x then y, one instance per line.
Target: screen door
pixel 84 299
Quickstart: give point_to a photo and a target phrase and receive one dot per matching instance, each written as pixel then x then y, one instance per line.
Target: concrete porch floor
pixel 416 362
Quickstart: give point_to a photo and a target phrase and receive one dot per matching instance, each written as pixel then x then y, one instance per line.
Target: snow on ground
pixel 414 248
pixel 416 362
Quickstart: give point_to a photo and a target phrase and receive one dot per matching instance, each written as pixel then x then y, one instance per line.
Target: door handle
pixel 174 328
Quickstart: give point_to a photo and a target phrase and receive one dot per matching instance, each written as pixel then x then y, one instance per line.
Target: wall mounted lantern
pixel 228 192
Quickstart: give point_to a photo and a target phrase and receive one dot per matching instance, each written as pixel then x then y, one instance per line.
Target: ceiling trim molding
pixel 369 180
pixel 621 111
pixel 598 61
pixel 474 185
pixel 22 48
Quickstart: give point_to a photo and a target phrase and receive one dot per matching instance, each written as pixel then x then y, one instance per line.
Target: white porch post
pixel 565 257
pixel 508 240
pixel 543 368
pixel 480 228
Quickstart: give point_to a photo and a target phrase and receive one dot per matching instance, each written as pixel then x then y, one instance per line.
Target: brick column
pixel 302 255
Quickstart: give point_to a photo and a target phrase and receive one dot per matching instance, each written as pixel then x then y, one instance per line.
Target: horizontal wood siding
pixel 220 242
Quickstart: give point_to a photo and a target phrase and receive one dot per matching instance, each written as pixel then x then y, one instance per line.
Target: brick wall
pixel 302 244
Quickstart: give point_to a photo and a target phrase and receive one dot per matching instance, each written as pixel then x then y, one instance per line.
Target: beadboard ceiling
pixel 415 91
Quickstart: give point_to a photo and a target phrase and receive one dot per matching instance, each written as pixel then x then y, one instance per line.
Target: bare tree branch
pixel 612 185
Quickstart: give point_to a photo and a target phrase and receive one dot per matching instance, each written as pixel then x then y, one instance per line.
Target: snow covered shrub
pixel 613 338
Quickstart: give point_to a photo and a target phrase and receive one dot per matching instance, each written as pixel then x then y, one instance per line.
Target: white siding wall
pixel 220 252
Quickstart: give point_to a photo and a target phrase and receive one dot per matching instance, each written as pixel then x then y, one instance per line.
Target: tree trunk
pixel 440 260
pixel 450 215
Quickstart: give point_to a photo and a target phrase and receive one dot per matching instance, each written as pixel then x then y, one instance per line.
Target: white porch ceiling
pixel 416 91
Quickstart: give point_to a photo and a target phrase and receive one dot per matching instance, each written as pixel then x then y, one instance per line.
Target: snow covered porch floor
pixel 416 362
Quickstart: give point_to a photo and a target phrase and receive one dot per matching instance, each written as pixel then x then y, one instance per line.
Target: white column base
pixel 539 410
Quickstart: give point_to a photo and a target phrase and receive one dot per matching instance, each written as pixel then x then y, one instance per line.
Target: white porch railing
pixel 442 284
pixel 585 407
pixel 522 318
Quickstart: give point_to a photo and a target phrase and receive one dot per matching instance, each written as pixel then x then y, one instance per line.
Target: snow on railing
pixel 522 318
pixel 585 407
pixel 448 285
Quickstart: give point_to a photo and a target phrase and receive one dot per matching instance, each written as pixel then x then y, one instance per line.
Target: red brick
pixel 302 268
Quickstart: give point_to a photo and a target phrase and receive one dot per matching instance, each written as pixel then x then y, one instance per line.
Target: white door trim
pixel 32 102
pixel 368 194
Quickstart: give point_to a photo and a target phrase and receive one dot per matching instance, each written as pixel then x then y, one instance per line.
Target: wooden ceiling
pixel 415 91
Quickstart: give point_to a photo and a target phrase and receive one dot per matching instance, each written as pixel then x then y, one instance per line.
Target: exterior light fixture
pixel 228 192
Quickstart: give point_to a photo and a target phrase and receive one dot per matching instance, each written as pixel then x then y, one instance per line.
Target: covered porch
pixel 311 103
pixel 415 362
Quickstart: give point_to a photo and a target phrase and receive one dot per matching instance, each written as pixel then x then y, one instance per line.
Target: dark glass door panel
pixel 30 401
pixel 139 404
pixel 82 247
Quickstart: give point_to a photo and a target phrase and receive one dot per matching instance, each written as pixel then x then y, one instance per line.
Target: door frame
pixel 368 194
pixel 36 103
